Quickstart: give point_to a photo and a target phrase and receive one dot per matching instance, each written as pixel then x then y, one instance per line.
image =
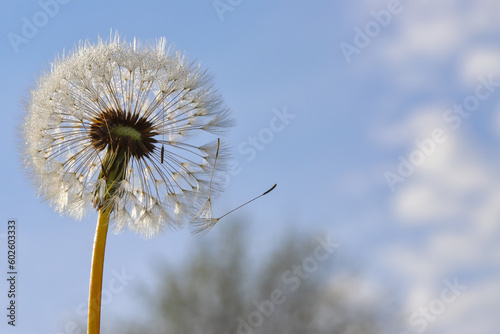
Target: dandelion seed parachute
pixel 117 106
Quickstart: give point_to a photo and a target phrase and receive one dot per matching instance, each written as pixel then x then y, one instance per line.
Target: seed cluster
pixel 116 129
pixel 126 126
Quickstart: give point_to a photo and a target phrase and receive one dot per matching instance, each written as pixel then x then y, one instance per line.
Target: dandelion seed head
pixel 96 124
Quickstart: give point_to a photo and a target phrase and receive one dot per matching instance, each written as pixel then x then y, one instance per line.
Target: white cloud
pixel 479 62
pixel 431 28
pixel 495 122
pixel 458 200
pixel 475 311
pixel 429 36
pixel 448 211
pixel 441 188
pixel 419 124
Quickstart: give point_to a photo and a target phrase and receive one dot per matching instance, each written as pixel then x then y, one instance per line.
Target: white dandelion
pixel 124 129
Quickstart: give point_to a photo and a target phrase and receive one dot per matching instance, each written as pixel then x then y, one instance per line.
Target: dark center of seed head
pixel 120 131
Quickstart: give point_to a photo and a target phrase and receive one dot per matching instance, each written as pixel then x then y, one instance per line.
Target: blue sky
pixel 352 121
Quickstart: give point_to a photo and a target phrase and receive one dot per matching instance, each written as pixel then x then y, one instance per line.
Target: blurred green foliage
pixel 220 290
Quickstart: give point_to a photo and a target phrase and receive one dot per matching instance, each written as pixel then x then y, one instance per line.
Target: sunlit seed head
pixel 141 112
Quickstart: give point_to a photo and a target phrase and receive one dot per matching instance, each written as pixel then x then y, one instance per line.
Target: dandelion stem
pixel 94 316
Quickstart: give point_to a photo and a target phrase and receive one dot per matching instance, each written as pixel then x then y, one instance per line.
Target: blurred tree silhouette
pixel 221 291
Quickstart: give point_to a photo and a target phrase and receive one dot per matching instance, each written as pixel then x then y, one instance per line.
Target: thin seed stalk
pixel 113 171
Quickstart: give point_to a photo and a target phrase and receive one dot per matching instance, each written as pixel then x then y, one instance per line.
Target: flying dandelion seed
pixel 122 127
